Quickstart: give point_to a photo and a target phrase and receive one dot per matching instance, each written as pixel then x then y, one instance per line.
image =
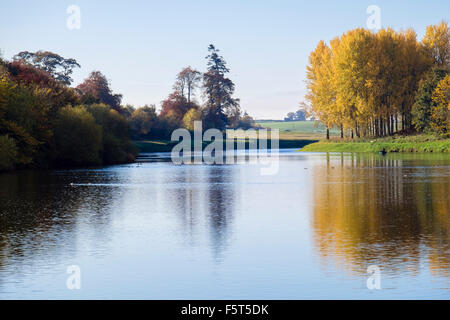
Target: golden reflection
pixel 380 210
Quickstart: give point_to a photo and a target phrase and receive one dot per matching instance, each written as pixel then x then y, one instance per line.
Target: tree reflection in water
pixel 380 210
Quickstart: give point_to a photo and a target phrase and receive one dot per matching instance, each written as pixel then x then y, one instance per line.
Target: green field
pixel 293 134
pixel 298 130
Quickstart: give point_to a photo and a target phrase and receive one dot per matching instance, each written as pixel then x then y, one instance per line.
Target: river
pixel 157 230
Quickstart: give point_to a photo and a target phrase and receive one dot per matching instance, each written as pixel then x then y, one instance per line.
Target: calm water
pixel 162 231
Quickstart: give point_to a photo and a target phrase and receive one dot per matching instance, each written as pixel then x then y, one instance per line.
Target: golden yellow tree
pixel 440 110
pixel 411 64
pixel 190 117
pixel 321 93
pixel 351 60
pixel 366 82
pixel 437 43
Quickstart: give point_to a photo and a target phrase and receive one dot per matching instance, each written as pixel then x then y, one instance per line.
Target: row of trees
pixel 299 115
pixel 376 84
pixel 44 122
pixel 219 109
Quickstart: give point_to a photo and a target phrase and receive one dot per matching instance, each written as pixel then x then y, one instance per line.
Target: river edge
pixel 146 146
pixel 403 144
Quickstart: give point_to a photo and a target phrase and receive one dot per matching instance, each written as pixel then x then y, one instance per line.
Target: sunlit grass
pixel 397 143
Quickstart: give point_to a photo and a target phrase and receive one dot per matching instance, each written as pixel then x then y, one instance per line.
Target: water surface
pixel 162 231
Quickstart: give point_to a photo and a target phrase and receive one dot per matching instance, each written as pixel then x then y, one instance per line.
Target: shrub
pixel 8 153
pixel 78 138
pixel 116 144
pixel 142 121
pixel 190 117
pixel 440 121
pixel 424 105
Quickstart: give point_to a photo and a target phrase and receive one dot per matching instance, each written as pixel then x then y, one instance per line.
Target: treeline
pixel 219 109
pixel 46 123
pixel 379 83
pixel 299 115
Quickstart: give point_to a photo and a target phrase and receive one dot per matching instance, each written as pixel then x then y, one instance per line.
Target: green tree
pixel 19 114
pixel 245 122
pixel 142 121
pixel 78 138
pixel 424 104
pixel 8 153
pixel 116 146
pixel 58 67
pixel 218 91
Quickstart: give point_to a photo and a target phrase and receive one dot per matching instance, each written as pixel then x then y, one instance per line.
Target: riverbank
pixel 286 141
pixel 397 143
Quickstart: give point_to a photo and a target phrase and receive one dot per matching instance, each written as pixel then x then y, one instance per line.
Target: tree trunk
pixel 328 134
pixel 342 132
pixel 381 127
pixel 189 94
pixel 388 123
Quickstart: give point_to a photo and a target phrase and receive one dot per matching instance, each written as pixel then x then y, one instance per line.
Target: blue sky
pixel 141 45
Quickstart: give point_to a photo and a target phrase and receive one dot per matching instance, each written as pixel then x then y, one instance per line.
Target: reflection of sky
pixel 141 45
pixel 163 231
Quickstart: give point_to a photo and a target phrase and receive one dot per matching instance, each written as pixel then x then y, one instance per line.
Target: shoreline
pixel 394 144
pixel 145 146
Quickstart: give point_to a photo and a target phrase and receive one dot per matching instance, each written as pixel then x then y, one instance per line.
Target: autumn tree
pixel 55 65
pixel 174 108
pixel 411 65
pixel 321 91
pixel 96 89
pixel 440 110
pixel 367 82
pixel 424 104
pixel 190 117
pixel 437 44
pixel 187 81
pixel 142 120
pixel 55 94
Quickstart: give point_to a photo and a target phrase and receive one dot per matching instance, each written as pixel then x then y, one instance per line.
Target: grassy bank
pixel 285 142
pixel 293 134
pixel 416 143
pixel 154 145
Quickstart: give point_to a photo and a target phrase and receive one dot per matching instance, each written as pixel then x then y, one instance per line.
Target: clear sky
pixel 141 45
